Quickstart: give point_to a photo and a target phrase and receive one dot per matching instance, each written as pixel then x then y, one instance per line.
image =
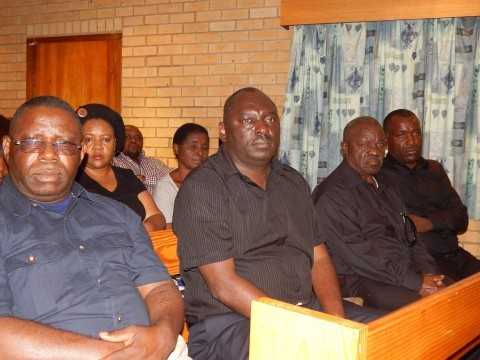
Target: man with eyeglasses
pixel 78 276
pixel 433 204
pixel 149 170
pixel 371 240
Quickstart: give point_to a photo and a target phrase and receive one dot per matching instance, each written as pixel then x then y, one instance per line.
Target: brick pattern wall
pixel 181 58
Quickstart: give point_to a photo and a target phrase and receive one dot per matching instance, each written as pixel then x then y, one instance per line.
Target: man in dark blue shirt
pixel 78 276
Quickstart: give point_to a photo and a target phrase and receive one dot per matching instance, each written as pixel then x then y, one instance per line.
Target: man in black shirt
pixel 432 202
pixel 366 230
pixel 247 229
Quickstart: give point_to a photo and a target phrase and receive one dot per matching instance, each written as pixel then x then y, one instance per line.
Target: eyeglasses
pixel 35 146
pixel 410 230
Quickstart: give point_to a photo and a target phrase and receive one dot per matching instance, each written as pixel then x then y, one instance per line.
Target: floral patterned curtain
pixel 342 71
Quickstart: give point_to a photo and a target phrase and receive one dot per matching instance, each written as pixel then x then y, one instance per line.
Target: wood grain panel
pixel 282 331
pixel 433 328
pixel 295 12
pixel 437 327
pixel 79 69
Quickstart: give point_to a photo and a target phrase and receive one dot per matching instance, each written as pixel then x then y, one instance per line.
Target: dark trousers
pixel 383 296
pixel 226 337
pixel 458 264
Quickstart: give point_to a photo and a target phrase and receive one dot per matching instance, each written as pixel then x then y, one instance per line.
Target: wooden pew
pixel 441 326
pixel 164 244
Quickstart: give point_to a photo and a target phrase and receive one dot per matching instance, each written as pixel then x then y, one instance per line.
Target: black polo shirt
pixel 365 231
pixel 220 214
pixel 78 271
pixel 427 192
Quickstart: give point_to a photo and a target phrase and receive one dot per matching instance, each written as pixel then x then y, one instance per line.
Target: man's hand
pixel 421 224
pixel 142 342
pixel 325 283
pixel 431 284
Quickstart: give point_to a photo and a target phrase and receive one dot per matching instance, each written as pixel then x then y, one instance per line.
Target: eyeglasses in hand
pixel 410 230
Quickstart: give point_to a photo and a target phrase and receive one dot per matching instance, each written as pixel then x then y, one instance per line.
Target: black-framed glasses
pixel 410 230
pixel 35 146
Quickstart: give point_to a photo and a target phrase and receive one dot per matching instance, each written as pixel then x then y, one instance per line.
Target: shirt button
pixel 31 259
pixel 99 280
pixel 34 204
pixel 119 317
pixel 81 247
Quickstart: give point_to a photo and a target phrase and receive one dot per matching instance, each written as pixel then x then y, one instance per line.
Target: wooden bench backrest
pixel 282 331
pixel 164 243
pixel 435 327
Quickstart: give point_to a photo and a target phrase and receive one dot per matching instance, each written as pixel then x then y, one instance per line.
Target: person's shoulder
pixel 204 182
pixel 128 176
pixel 165 182
pixel 434 165
pixel 109 207
pixel 123 171
pixel 292 175
pixel 5 202
pixel 155 161
pixel 388 175
pixel 164 179
pixel 11 200
pixel 333 185
pixel 211 170
pixel 121 160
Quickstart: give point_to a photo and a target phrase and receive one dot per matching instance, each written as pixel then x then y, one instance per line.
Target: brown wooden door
pixel 78 69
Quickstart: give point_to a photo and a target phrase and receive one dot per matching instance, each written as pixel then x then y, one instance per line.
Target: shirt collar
pixel 392 163
pixel 229 168
pixel 140 157
pixel 353 178
pixel 22 205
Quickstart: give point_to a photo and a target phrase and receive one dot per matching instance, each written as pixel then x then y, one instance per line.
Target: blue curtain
pixel 342 71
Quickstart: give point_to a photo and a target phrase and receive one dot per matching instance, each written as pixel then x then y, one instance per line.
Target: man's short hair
pixel 43 101
pixel 353 123
pixel 232 98
pixel 404 113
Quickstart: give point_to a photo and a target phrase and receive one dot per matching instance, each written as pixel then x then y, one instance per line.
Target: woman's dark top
pixel 128 188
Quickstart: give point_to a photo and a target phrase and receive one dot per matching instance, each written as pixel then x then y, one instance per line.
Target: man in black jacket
pixel 363 222
pixel 432 202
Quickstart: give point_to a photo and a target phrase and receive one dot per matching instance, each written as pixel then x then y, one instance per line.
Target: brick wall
pixel 181 58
